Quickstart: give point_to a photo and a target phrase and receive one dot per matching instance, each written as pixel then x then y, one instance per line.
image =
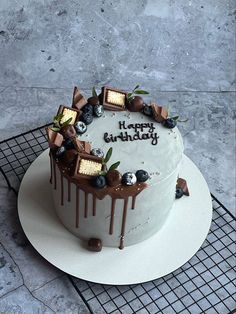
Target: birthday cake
pixel 114 167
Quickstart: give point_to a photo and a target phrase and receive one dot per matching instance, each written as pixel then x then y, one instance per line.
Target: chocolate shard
pixel 94 100
pixel 55 139
pixel 69 113
pixel 78 100
pixel 113 99
pixel 82 146
pixel 182 184
pixel 94 245
pixel 159 113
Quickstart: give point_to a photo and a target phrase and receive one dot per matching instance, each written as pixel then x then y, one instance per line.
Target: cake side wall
pixel 106 222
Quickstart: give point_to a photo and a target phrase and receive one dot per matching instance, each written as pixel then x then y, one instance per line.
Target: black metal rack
pixel 205 284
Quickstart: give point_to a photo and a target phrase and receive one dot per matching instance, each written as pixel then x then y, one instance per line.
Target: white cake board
pixel 179 239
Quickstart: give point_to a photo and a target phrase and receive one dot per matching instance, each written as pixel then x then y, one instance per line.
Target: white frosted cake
pixel 114 178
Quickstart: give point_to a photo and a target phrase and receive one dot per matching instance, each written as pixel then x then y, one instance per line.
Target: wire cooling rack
pixel 205 284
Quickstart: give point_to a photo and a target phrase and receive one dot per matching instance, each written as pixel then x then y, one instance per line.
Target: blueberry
pixel 129 178
pixel 80 127
pixel 169 123
pixel 179 193
pixel 142 175
pixel 88 109
pixel 98 110
pixel 69 144
pixel 99 182
pixel 147 110
pixel 60 151
pixel 87 118
pixel 97 152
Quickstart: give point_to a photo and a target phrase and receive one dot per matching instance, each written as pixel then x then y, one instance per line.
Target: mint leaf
pixel 114 166
pixel 55 129
pixel 67 122
pixel 58 117
pixel 137 86
pixel 141 91
pixel 108 155
pixel 102 173
pixel 129 95
pixel 94 93
pixel 175 118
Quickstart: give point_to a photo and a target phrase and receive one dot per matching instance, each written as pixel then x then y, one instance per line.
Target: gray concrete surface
pixel 183 52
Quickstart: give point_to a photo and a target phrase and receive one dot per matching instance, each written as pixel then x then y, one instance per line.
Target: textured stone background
pixel 183 52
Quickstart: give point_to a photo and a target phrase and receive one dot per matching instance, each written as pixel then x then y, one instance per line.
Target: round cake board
pixel 178 240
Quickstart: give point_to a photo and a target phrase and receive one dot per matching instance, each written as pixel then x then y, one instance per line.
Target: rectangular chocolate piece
pixel 159 113
pixel 69 113
pixel 87 166
pixel 114 99
pixel 55 139
pixel 78 100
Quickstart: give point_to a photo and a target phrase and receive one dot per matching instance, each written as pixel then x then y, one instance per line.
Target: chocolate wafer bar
pixel 114 99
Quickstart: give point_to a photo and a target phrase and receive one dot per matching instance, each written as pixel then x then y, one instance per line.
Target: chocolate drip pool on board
pixel 94 205
pixel 85 205
pixel 113 205
pixel 77 208
pixel 69 190
pixel 123 224
pixel 62 190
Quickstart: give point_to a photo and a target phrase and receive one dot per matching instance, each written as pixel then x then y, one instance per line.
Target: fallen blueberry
pixel 142 175
pixel 179 193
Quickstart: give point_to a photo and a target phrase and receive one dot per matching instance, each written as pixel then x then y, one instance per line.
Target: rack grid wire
pixel 205 284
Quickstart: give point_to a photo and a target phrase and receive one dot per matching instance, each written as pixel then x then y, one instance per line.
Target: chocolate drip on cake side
pixel 51 161
pixel 77 208
pixel 133 202
pixel 123 224
pixel 69 190
pixel 113 205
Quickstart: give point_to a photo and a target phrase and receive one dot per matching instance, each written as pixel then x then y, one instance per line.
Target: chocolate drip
pixel 123 224
pixel 113 205
pixel 62 190
pixel 94 205
pixel 69 190
pixel 55 175
pixel 85 205
pixel 51 160
pixel 133 202
pixel 77 208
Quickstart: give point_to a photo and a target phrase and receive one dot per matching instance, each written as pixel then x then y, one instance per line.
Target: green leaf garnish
pixel 175 118
pixel 102 173
pixel 114 166
pixel 58 117
pixel 137 86
pixel 141 91
pixel 108 155
pixel 67 122
pixel 55 129
pixel 94 93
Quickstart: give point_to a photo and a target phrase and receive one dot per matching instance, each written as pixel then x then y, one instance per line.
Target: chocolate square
pixel 78 100
pixel 69 113
pixel 82 146
pixel 87 166
pixel 159 113
pixel 114 99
